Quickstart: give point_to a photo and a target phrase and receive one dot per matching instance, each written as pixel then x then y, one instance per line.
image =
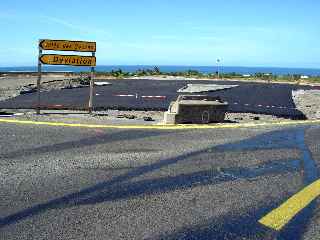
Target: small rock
pixel 67 87
pixel 100 114
pixel 148 119
pixel 27 89
pixel 130 116
pixel 256 118
pixel 120 116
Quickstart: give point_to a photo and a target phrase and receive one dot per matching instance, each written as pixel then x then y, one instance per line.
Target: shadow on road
pixel 120 186
pixel 227 227
pixel 85 142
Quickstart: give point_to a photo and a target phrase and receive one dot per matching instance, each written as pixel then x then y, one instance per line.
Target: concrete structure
pixel 197 109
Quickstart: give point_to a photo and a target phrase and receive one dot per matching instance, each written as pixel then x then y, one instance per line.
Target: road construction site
pixel 104 175
pixel 264 99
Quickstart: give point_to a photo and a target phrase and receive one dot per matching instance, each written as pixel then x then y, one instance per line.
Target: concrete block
pixel 197 109
pixel 170 118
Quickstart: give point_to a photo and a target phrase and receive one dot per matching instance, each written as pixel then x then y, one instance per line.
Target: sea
pixel 168 69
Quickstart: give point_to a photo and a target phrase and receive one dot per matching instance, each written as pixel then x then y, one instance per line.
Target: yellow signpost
pixel 64 45
pixel 72 60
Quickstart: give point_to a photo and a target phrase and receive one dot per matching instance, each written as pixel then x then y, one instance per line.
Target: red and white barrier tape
pixel 262 106
pixel 124 95
pixel 156 97
pixel 146 97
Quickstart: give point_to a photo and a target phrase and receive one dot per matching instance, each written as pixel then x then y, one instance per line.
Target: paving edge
pixel 161 126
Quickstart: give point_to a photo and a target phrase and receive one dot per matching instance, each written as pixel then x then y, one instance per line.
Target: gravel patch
pixel 126 117
pixel 307 101
pixel 10 86
pixel 102 117
pixel 250 117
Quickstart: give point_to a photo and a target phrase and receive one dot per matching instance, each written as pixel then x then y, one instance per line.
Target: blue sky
pixel 282 33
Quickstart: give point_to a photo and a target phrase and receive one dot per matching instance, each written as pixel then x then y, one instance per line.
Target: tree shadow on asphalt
pixel 183 181
pixel 85 142
pixel 243 226
pixel 229 226
pixel 119 187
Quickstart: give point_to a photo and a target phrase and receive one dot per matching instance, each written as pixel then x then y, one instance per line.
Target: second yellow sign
pixel 74 60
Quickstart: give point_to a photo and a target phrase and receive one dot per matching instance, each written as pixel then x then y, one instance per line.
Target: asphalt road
pixel 261 98
pixel 79 183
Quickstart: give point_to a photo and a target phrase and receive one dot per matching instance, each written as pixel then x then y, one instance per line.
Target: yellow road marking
pixel 163 127
pixel 279 217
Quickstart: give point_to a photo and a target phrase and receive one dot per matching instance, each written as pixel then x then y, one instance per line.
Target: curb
pixel 161 126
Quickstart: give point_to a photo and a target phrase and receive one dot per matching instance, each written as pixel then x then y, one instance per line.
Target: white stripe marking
pixel 154 96
pixel 123 95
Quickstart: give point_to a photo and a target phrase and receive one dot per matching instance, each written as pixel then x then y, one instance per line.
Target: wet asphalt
pixel 78 183
pixel 260 98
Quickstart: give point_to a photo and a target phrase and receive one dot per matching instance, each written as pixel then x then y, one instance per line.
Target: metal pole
pixel 218 70
pixel 91 88
pixel 39 80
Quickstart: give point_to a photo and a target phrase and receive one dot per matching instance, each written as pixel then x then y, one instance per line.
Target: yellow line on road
pixel 162 127
pixel 281 216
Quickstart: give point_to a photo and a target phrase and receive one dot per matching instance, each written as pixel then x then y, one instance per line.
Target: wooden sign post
pixel 72 60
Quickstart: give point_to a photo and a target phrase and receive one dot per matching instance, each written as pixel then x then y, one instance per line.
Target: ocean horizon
pixel 172 68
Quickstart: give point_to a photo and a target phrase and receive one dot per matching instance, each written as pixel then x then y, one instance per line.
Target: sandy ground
pixel 10 85
pixel 17 81
pixel 307 101
pixel 124 117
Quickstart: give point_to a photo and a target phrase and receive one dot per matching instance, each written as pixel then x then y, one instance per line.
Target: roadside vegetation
pixel 294 78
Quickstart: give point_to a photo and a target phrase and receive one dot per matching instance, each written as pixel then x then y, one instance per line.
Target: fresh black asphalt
pixel 261 98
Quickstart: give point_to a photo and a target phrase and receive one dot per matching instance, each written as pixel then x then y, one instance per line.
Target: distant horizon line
pixel 163 65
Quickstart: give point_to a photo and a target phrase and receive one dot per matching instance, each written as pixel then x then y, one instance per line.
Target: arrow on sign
pixel 74 60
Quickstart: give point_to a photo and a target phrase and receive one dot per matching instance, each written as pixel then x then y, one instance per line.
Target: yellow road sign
pixel 64 45
pixel 74 60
